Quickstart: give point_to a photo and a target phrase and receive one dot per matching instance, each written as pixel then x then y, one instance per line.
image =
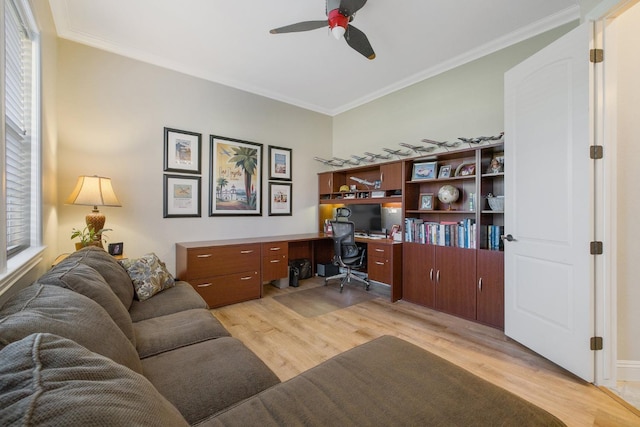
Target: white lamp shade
pixel 93 191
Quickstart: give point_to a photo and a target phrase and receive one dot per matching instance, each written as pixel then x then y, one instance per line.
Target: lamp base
pixel 95 221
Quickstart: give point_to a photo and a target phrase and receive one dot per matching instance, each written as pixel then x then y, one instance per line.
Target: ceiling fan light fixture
pixel 338 23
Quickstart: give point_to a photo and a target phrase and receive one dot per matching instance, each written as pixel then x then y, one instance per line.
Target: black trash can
pixel 294 273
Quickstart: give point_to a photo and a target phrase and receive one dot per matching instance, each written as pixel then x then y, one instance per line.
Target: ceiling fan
pixel 340 13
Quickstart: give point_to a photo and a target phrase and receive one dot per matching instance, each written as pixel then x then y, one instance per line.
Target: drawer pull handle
pixel 379 263
pixel 480 284
pixel 273 261
pixel 204 256
pixel 246 252
pixel 379 250
pixel 205 285
pixel 274 249
pixel 246 278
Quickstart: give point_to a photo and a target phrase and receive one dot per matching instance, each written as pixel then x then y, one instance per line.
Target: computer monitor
pixel 366 217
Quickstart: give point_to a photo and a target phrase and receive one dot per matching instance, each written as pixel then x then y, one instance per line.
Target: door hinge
pixel 596 248
pixel 596 343
pixel 596 55
pixel 596 152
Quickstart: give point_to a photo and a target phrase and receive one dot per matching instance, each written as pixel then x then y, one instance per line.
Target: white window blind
pixel 18 94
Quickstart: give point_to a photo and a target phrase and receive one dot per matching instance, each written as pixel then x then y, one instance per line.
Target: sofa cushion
pixel 47 380
pixel 178 298
pixel 204 378
pixel 165 333
pixel 385 382
pixel 108 267
pixel 148 274
pixel 85 280
pixel 60 311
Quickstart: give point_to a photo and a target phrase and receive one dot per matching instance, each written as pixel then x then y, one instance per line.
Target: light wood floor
pixel 290 343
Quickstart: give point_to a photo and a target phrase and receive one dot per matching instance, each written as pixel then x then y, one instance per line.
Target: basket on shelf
pixel 496 203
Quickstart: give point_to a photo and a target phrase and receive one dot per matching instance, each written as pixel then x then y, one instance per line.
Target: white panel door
pixel 549 283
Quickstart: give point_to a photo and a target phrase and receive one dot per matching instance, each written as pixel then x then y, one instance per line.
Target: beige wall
pixel 464 102
pixel 111 115
pixel 628 176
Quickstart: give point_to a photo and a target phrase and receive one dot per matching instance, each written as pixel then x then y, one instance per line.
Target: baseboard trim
pixel 628 370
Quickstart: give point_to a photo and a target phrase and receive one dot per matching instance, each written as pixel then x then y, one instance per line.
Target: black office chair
pixel 347 254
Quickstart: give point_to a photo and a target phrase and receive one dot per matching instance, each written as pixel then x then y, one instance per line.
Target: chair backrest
pixel 344 241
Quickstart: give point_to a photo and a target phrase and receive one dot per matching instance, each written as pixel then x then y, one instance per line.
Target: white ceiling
pixel 229 41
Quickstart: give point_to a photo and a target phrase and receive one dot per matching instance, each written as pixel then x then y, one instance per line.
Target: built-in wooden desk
pixel 229 271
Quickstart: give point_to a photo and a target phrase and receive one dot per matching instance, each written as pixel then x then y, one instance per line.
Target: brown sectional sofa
pixel 76 348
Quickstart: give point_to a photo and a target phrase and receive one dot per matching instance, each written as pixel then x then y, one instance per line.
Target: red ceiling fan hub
pixel 337 19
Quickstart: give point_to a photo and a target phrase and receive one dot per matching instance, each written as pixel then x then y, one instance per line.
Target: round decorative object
pixel 448 194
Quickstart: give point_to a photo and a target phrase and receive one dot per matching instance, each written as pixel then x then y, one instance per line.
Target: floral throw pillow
pixel 148 274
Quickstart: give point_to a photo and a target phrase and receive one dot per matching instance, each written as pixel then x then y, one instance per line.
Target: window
pixel 20 144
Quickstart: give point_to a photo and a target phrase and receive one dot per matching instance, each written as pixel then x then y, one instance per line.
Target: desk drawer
pixel 223 260
pixel 379 269
pixel 275 248
pixel 378 250
pixel 275 267
pixel 230 289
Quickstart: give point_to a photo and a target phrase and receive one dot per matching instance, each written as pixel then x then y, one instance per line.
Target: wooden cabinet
pixel 447 262
pixel 275 260
pixel 391 177
pixel 384 265
pixel 440 277
pixel 490 288
pixel 222 275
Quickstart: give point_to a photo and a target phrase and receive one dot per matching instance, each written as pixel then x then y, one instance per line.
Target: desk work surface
pixel 282 238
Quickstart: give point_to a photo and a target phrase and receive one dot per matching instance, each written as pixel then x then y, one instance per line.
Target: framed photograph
pixel 496 165
pixel 466 169
pixel 235 185
pixel 116 248
pixel 279 163
pixel 279 199
pixel 445 171
pixel 425 170
pixel 182 151
pixel 426 202
pixel 181 196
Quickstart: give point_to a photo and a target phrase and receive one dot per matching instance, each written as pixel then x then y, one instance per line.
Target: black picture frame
pixel 280 198
pixel 280 163
pixel 182 151
pixel 182 196
pixel 235 172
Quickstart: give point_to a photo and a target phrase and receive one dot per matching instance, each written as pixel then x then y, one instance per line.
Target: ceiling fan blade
pixel 359 42
pixel 351 6
pixel 300 26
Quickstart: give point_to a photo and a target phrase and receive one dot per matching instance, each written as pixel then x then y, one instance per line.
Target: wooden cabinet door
pixel 418 273
pixel 325 183
pixel 455 281
pixel 490 288
pixel 391 176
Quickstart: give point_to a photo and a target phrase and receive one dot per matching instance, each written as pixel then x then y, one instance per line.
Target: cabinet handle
pixel 246 278
pixel 246 252
pixel 431 274
pixel 438 276
pixel 274 249
pixel 379 263
pixel 480 284
pixel 381 176
pixel 205 285
pixel 379 250
pixel 274 261
pixel 204 256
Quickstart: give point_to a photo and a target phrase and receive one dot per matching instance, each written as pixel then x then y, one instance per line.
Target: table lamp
pixel 94 191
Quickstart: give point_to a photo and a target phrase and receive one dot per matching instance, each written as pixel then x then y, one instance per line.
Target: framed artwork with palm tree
pixel 236 177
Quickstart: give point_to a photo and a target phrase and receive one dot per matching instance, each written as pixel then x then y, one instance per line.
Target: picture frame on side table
pixel 280 199
pixel 182 151
pixel 235 184
pixel 279 163
pixel 181 196
pixel 424 170
pixel 445 171
pixel 426 202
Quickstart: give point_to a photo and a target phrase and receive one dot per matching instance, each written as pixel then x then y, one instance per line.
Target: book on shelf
pixel 494 241
pixel 460 234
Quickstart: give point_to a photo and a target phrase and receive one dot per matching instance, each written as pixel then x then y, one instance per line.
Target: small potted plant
pixel 88 237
